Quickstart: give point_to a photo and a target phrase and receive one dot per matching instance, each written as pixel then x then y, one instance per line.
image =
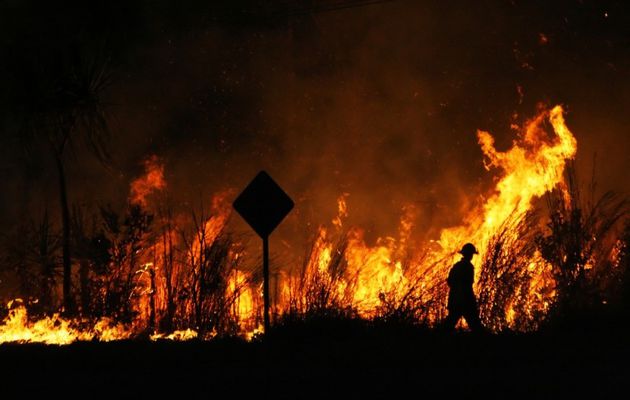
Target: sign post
pixel 263 205
pixel 266 281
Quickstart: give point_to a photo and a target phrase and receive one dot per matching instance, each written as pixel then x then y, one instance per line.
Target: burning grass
pixel 147 272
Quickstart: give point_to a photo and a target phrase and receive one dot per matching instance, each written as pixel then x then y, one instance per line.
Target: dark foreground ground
pixel 319 360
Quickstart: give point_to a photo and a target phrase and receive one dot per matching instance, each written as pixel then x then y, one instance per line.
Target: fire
pixel 51 330
pixel 16 327
pixel 375 269
pixel 531 167
pixel 151 181
pixel 178 335
pixel 243 298
pixel 341 270
pixel 342 210
pixel 56 330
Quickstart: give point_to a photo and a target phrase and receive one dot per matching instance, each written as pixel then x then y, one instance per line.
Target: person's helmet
pixel 469 248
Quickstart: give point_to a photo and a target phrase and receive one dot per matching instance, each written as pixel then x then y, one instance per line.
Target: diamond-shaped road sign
pixel 263 204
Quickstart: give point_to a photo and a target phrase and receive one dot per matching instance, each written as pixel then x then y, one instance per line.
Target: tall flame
pixel 532 166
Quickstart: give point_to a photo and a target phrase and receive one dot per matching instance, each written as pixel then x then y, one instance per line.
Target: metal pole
pixel 266 280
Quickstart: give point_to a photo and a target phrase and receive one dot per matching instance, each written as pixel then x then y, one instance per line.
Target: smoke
pixel 381 102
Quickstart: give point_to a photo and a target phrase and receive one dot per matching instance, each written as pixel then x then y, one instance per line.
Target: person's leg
pixel 451 320
pixel 472 319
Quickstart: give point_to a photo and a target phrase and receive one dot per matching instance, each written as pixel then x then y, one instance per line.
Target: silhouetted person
pixel 461 298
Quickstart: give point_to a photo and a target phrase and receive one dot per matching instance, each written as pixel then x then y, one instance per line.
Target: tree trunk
pixel 65 240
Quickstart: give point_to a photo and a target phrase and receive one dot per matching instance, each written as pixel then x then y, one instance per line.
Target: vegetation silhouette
pixel 58 100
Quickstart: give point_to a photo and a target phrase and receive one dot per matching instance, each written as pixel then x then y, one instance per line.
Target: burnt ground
pixel 347 359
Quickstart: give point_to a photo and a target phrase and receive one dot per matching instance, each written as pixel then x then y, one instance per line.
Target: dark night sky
pixel 381 101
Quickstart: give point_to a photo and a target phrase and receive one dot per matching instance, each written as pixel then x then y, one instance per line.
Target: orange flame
pixel 533 166
pixel 16 327
pixel 152 181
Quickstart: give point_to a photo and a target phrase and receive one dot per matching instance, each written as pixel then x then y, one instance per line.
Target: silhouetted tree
pixel 32 251
pixel 92 251
pixel 59 98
